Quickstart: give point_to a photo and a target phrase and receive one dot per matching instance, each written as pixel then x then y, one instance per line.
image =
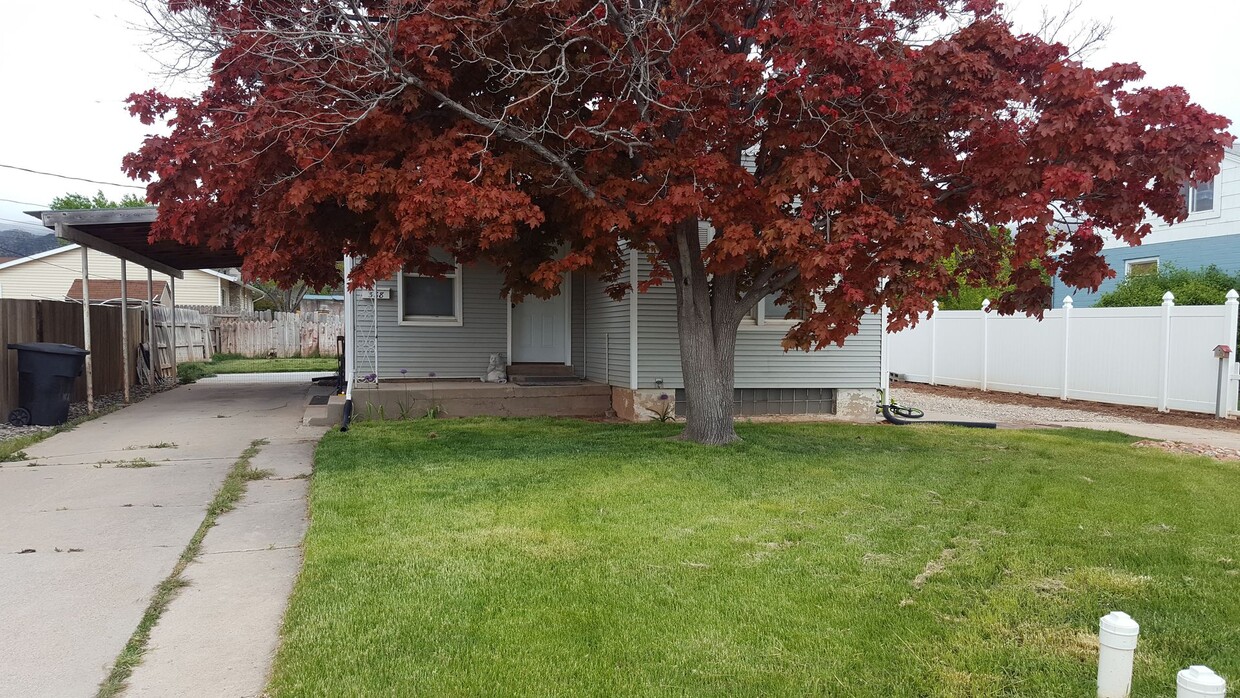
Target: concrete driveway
pixel 101 536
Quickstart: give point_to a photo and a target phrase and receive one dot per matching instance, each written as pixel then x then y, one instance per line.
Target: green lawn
pixel 565 558
pixel 226 363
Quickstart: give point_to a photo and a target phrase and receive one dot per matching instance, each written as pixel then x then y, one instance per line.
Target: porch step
pixel 546 380
pixel 539 370
pixel 460 399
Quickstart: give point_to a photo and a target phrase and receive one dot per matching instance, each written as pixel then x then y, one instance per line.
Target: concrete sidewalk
pixel 1223 438
pixel 103 535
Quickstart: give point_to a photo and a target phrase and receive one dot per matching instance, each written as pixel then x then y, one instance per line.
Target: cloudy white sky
pixel 66 67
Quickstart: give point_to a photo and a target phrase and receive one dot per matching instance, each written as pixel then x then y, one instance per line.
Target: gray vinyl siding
pixel 450 351
pixel 577 316
pixel 760 360
pixel 606 335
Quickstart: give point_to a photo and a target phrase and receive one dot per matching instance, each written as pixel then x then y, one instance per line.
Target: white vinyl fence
pixel 1163 357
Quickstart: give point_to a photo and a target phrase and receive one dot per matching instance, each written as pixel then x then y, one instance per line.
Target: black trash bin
pixel 45 376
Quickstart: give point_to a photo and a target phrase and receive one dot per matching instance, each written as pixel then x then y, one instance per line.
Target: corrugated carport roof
pixel 125 233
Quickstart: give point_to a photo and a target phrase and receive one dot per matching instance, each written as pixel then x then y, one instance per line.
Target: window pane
pixel 1143 268
pixel 425 296
pixel 776 311
pixel 1203 197
pixel 773 310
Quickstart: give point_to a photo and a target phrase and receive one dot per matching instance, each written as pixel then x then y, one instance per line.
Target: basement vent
pixel 766 401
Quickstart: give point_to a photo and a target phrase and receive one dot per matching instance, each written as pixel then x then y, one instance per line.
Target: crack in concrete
pixel 254 550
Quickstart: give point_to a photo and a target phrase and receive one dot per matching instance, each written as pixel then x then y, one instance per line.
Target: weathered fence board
pixel 193 337
pixel 262 333
pixel 54 321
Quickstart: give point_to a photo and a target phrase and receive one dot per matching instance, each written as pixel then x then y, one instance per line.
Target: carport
pixel 125 233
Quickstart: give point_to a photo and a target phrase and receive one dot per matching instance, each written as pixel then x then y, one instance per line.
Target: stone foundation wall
pixel 642 405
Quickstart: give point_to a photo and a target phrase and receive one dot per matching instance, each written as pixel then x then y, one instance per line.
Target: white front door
pixel 540 330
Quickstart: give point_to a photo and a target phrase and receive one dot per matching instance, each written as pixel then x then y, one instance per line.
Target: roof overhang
pixel 125 233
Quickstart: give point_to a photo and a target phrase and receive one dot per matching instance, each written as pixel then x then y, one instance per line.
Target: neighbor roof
pixel 110 289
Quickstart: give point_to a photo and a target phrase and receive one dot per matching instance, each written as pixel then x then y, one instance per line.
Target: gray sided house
pixel 580 353
pixel 1210 236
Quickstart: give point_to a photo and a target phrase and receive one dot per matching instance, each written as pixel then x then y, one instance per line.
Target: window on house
pixel 1199 198
pixel 429 300
pixel 1141 267
pixel 770 310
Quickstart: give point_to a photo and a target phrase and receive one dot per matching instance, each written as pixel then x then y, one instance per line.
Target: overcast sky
pixel 66 67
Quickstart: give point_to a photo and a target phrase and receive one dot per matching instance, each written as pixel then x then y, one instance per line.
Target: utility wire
pixel 78 179
pixel 24 203
pixel 76 272
pixel 28 224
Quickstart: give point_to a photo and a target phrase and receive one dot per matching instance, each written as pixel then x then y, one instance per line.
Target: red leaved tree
pixel 841 150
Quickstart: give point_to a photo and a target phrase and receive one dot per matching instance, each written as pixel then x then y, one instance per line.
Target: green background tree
pixel 75 201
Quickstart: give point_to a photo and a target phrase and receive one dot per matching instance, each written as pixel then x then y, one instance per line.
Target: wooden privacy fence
pixel 263 333
pixel 54 321
pixel 193 337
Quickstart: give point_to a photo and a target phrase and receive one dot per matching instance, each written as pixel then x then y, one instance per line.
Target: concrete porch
pixel 460 398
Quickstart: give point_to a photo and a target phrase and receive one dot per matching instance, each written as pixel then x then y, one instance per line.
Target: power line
pixel 28 224
pixel 77 272
pixel 77 179
pixel 24 203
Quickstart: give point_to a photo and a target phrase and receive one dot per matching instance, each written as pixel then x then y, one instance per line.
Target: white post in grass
pixel 1067 346
pixel 1199 682
pixel 1117 643
pixel 985 344
pixel 1164 354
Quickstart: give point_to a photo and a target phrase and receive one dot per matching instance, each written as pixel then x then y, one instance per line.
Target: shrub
pixel 1208 286
pixel 191 372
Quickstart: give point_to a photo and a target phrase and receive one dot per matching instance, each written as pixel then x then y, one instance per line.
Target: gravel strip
pixel 1218 452
pixel 941 406
pixel 137 393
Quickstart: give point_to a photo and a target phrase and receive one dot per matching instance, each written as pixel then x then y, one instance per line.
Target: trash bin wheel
pixel 20 417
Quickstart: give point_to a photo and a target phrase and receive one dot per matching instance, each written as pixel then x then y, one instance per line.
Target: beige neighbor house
pixel 51 275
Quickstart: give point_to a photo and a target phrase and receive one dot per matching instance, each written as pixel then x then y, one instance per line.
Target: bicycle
pixel 893 407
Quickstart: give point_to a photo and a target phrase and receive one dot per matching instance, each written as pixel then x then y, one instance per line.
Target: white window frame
pixel 456 320
pixel 1129 262
pixel 1214 212
pixel 757 318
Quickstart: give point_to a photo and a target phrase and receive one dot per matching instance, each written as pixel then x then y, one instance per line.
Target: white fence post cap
pixel 1118 630
pixel 1202 681
pixel 935 305
pixel 1067 301
pixel 985 303
pixel 1232 296
pixel 1168 298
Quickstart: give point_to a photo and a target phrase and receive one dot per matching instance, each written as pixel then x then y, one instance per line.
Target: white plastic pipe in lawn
pixel 1199 682
pixel 1117 643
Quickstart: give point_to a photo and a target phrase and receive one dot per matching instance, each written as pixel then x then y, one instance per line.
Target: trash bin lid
pixel 50 348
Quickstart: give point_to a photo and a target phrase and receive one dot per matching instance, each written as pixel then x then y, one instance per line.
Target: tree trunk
pixel 708 364
pixel 707 323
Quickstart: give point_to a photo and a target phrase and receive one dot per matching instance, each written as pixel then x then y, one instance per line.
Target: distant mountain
pixel 19 243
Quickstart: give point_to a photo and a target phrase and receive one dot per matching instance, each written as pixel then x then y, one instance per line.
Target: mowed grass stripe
pixel 543 557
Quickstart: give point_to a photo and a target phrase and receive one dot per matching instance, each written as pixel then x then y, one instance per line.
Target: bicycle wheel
pixel 906 412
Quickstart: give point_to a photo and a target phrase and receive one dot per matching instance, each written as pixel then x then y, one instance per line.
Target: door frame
pixel 566 290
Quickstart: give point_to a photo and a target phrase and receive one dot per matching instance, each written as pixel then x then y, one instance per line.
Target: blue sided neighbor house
pixel 1210 235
